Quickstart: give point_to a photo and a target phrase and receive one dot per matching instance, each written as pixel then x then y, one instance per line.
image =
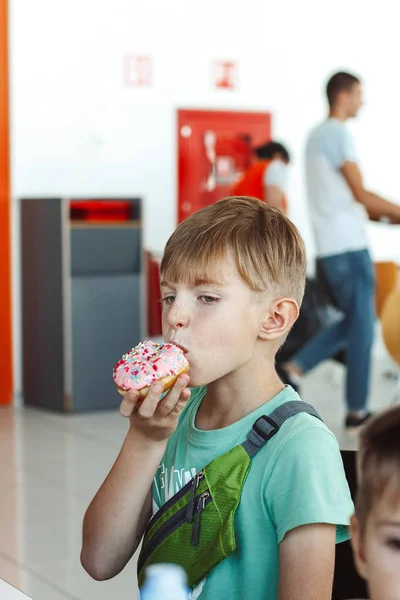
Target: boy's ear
pixel 357 544
pixel 279 319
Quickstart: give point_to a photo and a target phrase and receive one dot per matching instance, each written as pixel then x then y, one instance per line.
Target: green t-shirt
pixel 295 479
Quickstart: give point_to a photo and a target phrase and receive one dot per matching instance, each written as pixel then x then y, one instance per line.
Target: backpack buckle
pixel 266 436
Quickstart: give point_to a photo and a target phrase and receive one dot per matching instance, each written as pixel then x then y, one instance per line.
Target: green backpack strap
pixel 267 426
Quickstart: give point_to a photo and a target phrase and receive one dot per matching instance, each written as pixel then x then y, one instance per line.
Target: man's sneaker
pixel 353 422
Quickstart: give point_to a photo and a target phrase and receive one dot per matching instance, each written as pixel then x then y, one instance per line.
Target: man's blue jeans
pixel 351 278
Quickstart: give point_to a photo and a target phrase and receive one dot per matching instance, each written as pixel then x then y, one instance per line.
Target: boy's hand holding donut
pixel 152 417
pixel 142 376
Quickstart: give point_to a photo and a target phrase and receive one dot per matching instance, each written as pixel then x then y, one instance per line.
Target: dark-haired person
pixel 339 206
pixel 266 179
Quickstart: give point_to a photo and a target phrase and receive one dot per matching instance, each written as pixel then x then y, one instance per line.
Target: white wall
pixel 77 130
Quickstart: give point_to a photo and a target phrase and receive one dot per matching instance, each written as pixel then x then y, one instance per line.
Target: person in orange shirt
pixel 266 179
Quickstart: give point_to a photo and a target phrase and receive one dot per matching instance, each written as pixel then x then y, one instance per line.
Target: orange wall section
pixel 6 383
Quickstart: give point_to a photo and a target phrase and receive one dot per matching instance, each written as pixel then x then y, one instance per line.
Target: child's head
pixel 233 275
pixel 376 524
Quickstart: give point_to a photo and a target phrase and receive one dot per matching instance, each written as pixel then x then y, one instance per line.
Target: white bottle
pixel 165 582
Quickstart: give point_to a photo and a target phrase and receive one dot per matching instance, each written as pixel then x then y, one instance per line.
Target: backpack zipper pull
pixel 195 484
pixel 196 525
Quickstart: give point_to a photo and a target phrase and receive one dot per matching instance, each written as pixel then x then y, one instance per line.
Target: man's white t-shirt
pixel 338 220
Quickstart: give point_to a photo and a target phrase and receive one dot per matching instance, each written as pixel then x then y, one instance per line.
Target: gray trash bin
pixel 83 287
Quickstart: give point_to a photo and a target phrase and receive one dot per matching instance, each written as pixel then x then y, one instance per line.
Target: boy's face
pixel 219 325
pixel 377 551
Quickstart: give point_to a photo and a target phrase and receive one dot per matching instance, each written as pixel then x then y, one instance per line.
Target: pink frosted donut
pixel 149 362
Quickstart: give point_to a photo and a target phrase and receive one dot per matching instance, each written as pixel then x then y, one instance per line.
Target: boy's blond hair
pixel 267 248
pixel 378 462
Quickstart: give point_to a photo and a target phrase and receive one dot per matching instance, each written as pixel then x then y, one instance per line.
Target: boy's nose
pixel 178 317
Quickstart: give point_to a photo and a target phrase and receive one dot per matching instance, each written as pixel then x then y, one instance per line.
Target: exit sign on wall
pixel 225 73
pixel 138 70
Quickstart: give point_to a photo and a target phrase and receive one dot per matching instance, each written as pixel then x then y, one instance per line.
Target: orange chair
pixel 390 320
pixel 391 325
pixel 387 277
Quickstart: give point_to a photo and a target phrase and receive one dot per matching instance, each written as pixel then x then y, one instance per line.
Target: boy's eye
pixel 393 543
pixel 208 299
pixel 168 299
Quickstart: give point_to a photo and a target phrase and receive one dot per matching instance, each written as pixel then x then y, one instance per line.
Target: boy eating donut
pixel 233 278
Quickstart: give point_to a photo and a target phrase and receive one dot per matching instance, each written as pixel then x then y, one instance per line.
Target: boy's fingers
pixel 149 404
pixel 170 401
pixel 183 400
pixel 128 404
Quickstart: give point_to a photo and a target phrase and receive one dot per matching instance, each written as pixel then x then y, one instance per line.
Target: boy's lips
pixel 183 348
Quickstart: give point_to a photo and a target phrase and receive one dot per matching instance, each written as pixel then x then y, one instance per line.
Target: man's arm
pixel 376 206
pixel 306 563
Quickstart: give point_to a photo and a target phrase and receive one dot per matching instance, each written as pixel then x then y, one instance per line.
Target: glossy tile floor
pixel 51 465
